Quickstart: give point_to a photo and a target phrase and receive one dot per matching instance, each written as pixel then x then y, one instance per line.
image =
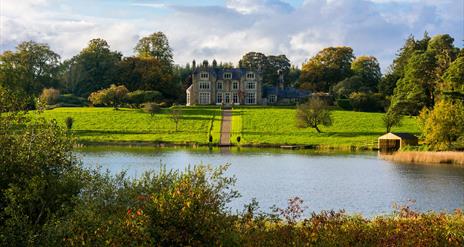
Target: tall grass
pixel 455 158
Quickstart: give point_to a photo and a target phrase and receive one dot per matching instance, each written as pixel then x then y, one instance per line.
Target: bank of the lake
pixel 358 182
pixel 256 126
pixel 452 158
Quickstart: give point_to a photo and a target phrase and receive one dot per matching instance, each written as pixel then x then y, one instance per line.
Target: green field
pixel 254 125
pixel 278 126
pixel 103 125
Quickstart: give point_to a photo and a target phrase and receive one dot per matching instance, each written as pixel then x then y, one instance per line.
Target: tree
pixel 113 96
pixel 441 46
pixel 453 79
pixel 368 69
pixel 267 65
pixel 49 96
pixel 327 67
pixel 94 68
pixel 155 45
pixel 176 116
pixel 391 119
pixel 151 108
pixel 32 67
pixel 313 113
pixel 443 125
pixel 149 73
pixel 417 88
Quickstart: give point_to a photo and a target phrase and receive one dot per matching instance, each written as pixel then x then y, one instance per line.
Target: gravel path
pixel 226 127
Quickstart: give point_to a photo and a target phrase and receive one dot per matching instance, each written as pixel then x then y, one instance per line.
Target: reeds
pixel 455 158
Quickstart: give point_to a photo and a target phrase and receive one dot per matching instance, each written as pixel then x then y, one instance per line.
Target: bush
pixel 151 108
pixel 139 97
pixel 69 122
pixel 113 96
pixel 49 96
pixel 67 100
pixel 367 102
pixel 344 104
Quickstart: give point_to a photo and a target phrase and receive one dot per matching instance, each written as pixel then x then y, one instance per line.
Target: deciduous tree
pixel 30 68
pixel 327 67
pixel 312 114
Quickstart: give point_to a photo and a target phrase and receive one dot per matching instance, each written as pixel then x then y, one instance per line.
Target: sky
pixel 227 29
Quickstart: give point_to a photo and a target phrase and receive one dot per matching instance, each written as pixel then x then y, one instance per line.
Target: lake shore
pixel 453 158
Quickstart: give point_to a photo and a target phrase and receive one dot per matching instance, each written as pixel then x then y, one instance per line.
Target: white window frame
pixel 219 85
pixel 235 85
pixel 204 98
pixel 219 98
pixel 227 75
pixel 235 98
pixel 204 85
pixel 250 98
pixel 204 75
pixel 250 75
pixel 272 98
pixel 251 85
pixel 188 98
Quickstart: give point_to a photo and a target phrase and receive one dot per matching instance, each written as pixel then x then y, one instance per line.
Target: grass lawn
pixel 126 125
pixel 276 125
pixel 254 125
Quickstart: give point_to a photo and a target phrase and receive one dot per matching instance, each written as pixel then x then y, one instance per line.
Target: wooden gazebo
pixel 394 141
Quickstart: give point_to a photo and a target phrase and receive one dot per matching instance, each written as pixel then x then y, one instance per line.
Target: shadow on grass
pixel 315 134
pixel 130 132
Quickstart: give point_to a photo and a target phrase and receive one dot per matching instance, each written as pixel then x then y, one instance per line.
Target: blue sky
pixel 225 30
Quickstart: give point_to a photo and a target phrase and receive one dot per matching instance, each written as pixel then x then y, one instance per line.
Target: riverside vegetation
pixel 47 198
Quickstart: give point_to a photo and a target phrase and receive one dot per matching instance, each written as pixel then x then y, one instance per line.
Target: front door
pixel 227 98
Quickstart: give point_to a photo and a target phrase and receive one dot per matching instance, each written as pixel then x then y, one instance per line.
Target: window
pixel 250 76
pixel 227 75
pixel 251 85
pixel 272 98
pixel 227 98
pixel 188 98
pixel 219 85
pixel 204 98
pixel 204 85
pixel 235 85
pixel 219 98
pixel 250 98
pixel 204 75
pixel 235 98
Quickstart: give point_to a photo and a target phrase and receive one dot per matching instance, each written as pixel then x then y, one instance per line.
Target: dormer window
pixel 227 75
pixel 250 76
pixel 204 75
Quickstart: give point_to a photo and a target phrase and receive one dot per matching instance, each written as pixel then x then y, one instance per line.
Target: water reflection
pixel 357 182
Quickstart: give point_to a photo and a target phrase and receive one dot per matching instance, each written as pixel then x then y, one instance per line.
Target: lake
pixel 357 182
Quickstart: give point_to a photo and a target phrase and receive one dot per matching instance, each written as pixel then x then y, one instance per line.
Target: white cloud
pixel 377 27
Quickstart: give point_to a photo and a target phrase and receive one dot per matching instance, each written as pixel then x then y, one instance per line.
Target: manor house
pixel 212 85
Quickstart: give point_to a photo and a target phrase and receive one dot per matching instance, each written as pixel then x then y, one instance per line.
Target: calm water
pixel 356 182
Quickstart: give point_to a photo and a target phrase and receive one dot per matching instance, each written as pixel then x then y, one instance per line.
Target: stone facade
pixel 217 86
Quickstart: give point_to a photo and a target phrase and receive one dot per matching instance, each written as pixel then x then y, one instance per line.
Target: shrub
pixel 367 102
pixel 69 122
pixel 49 96
pixel 344 104
pixel 71 100
pixel 151 108
pixel 139 97
pixel 113 96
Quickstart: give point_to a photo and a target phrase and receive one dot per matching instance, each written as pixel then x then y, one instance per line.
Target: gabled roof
pixel 237 73
pixel 398 135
